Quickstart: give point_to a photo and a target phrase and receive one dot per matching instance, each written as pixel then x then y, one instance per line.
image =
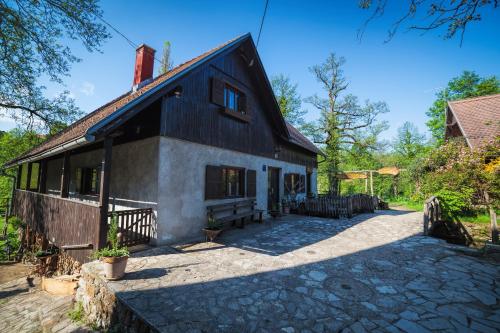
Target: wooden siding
pixel 64 222
pixel 195 118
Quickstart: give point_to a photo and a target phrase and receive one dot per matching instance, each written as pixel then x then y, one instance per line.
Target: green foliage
pixel 30 34
pixel 114 250
pixel 77 314
pixel 12 239
pixel 468 84
pixel 288 99
pixel 166 61
pixel 213 224
pixel 454 203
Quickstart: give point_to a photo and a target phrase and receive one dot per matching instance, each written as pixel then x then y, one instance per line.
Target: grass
pixel 406 203
pixel 77 314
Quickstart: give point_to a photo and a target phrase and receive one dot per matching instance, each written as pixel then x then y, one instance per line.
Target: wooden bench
pixel 235 211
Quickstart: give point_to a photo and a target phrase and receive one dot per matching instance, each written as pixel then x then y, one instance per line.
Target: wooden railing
pixel 339 206
pixel 432 214
pixel 68 224
pixel 134 225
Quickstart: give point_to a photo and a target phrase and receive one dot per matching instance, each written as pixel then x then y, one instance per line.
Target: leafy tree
pixel 166 61
pixel 454 15
pixel 468 84
pixel 12 144
pixel 344 122
pixel 31 48
pixel 409 143
pixel 289 100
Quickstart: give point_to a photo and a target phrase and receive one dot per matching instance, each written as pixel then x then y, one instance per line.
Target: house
pixel 209 131
pixel 475 119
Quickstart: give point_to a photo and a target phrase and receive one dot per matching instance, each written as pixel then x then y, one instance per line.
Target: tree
pixel 166 61
pixel 409 143
pixel 468 84
pixel 31 48
pixel 343 122
pixel 288 98
pixel 454 15
pixel 12 144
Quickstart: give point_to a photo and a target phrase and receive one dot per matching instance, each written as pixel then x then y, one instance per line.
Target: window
pixel 233 100
pixel 35 172
pixel 294 183
pixel 23 176
pixel 87 180
pixel 224 182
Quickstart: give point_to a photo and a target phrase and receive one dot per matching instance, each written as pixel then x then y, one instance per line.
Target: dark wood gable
pixel 198 115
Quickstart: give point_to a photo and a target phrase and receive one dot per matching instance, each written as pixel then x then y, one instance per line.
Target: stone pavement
pixel 374 272
pixel 29 310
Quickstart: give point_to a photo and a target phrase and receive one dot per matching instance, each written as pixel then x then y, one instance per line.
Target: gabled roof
pixel 478 118
pixel 82 131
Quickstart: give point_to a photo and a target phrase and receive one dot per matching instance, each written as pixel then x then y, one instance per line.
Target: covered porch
pixel 70 198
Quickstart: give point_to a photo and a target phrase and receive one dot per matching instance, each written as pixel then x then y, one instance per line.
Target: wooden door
pixel 273 188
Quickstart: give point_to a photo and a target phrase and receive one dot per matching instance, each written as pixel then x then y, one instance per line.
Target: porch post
pixel 65 175
pixel 28 177
pixel 43 176
pixel 18 179
pixel 104 191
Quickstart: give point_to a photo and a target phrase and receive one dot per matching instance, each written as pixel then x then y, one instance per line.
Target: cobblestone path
pixel 374 272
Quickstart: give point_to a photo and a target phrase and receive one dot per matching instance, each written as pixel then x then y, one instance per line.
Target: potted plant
pixel 275 211
pixel 113 257
pixel 213 229
pixel 286 206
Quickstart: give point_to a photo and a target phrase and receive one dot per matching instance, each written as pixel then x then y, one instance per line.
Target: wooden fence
pixel 68 224
pixel 432 214
pixel 134 224
pixel 339 206
pixel 435 225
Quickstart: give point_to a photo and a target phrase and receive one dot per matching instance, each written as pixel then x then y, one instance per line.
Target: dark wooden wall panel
pixel 194 118
pixel 62 221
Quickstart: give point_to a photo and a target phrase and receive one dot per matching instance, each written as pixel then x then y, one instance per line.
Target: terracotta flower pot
pixel 211 233
pixel 114 267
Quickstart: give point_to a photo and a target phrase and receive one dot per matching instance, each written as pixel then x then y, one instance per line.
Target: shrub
pixel 455 203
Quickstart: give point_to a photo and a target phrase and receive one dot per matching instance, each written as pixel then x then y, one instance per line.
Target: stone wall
pixel 102 307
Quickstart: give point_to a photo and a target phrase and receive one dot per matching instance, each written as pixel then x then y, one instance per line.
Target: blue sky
pixel 406 72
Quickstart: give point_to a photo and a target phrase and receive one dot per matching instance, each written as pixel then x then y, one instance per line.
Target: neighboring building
pixel 209 131
pixel 475 119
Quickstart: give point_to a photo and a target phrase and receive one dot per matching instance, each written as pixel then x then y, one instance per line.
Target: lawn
pixel 406 204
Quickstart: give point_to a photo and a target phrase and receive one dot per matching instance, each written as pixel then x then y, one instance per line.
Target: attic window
pixel 233 100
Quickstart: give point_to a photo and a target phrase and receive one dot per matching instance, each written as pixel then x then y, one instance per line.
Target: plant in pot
pixel 275 210
pixel 113 257
pixel 286 206
pixel 213 229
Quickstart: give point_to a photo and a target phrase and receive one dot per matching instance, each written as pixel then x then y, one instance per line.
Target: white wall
pixel 181 184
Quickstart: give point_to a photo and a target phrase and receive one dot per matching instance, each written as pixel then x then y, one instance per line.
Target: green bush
pixel 455 203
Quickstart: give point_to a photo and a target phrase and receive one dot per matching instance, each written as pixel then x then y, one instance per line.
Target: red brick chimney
pixel 144 62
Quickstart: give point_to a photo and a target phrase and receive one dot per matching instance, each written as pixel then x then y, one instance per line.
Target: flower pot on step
pixel 114 267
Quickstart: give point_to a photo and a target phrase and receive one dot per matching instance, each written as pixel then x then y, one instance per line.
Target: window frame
pixel 238 111
pixel 85 183
pixel 241 181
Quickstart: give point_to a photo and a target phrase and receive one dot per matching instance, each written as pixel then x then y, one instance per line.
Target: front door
pixel 273 188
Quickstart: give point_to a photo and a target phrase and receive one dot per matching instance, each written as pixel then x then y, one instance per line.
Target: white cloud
pixel 87 88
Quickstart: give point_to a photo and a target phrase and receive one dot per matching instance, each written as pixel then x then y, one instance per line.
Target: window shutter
pixel 242 183
pixel 302 188
pixel 217 91
pixel 251 183
pixel 242 103
pixel 214 184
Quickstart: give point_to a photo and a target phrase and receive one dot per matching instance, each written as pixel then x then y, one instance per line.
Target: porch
pixel 69 198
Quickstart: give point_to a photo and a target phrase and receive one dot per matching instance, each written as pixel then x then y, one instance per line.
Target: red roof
pixel 79 128
pixel 478 118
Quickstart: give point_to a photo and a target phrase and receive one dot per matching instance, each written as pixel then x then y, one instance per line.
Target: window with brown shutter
pixel 214 182
pixel 251 183
pixel 218 91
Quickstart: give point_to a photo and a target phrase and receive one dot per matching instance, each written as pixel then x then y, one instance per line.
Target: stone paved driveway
pixel 304 274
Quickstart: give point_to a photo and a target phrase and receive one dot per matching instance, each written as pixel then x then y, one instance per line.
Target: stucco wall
pixel 181 184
